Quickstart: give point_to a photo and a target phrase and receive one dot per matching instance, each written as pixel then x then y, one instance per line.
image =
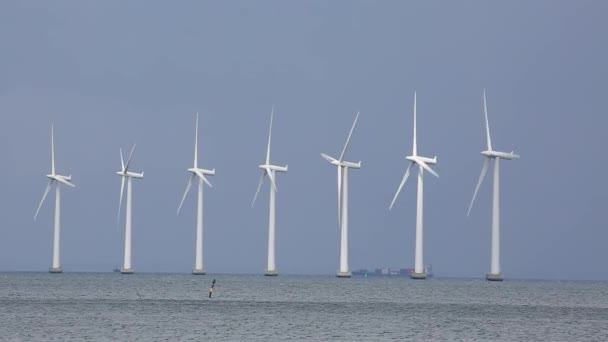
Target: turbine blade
pixel 122 188
pixel 202 176
pixel 403 180
pixel 339 194
pixel 207 182
pixel 185 192
pixel 349 135
pixel 485 112
pixel 122 161
pixel 196 143
pixel 271 177
pixel 328 158
pixel 68 183
pixel 130 156
pixel 46 192
pixel 414 145
pixel 259 187
pixel 426 167
pixel 269 136
pixel 484 169
pixel 52 150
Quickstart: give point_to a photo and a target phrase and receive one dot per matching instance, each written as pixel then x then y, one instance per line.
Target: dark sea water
pixel 175 307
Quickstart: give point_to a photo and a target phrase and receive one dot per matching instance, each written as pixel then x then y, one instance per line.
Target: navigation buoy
pixel 211 289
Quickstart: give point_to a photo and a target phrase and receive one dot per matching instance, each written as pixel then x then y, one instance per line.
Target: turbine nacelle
pixel 62 179
pixel 350 165
pixel 202 171
pixel 423 163
pixel 54 177
pixel 342 163
pixel 130 174
pixel 274 168
pixel 415 159
pixel 501 155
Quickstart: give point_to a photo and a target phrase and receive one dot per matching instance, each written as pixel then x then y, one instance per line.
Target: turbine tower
pixel 269 170
pixel 127 267
pixel 195 171
pixel 423 164
pixel 54 180
pixel 495 272
pixel 342 167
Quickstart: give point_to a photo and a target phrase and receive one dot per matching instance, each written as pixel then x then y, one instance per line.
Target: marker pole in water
pixel 211 289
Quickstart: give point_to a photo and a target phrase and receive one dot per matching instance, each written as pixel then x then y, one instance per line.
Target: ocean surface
pixel 176 307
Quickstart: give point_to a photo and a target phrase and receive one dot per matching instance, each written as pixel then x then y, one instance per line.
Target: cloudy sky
pixel 111 73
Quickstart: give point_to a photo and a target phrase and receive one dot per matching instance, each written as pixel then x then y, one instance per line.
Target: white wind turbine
pixel 55 179
pixel 342 167
pixel 269 171
pixel 495 272
pixel 423 164
pixel 125 173
pixel 200 173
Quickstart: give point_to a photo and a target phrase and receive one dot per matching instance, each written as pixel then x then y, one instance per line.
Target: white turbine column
pixel 198 268
pixel 127 269
pixel 495 265
pixel 271 269
pixel 344 270
pixel 418 260
pixel 56 267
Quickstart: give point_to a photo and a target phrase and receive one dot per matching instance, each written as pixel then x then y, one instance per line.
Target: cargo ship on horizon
pixel 388 272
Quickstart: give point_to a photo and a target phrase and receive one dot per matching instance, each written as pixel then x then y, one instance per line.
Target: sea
pixel 177 307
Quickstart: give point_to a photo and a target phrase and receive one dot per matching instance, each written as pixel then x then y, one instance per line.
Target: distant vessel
pixel 388 272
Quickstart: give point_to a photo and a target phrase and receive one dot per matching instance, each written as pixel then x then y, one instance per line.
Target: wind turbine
pixel 342 167
pixel 495 272
pixel 423 164
pixel 269 170
pixel 55 179
pixel 195 171
pixel 126 174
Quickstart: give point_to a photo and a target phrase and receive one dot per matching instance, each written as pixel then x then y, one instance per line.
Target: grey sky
pixel 108 74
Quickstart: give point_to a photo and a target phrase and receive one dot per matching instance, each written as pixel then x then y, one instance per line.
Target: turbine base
pixel 494 277
pixel 271 273
pixel 199 271
pixel 346 274
pixel 127 271
pixel 418 276
pixel 55 270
